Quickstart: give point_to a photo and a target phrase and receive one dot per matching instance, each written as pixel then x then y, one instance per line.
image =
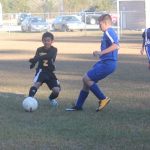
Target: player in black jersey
pixel 45 57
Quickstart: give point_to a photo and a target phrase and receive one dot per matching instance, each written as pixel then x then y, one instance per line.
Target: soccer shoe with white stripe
pixel 103 103
pixel 54 103
pixel 74 108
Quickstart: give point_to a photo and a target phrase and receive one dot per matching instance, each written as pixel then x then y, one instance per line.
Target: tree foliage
pixel 78 5
pixel 15 6
pixel 11 6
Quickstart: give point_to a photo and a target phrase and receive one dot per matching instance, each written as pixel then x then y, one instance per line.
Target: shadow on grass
pixel 15 52
pixel 130 67
pixel 129 37
pixel 132 73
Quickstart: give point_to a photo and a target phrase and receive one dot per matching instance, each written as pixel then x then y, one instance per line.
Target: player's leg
pixel 54 86
pixel 84 92
pixel 93 87
pixel 78 105
pixel 99 72
pixel 55 92
pixel 81 99
pixel 103 100
pixel 53 96
pixel 34 88
pixel 38 79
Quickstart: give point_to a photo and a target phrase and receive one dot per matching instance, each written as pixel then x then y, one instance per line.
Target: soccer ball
pixel 30 104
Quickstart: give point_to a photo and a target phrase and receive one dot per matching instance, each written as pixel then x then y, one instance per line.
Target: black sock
pixel 32 91
pixel 53 96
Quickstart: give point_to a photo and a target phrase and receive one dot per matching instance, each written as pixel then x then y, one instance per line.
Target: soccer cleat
pixel 54 103
pixel 103 103
pixel 74 108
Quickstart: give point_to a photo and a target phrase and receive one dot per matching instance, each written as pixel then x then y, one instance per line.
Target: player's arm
pixel 143 44
pixel 33 60
pixel 142 49
pixel 113 39
pixel 54 55
pixel 113 47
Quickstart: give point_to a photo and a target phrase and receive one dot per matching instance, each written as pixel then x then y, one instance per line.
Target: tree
pixel 78 5
pixel 105 5
pixel 40 6
pixel 11 6
pixel 47 6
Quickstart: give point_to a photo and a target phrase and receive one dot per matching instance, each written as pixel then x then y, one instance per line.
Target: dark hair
pixel 48 34
pixel 105 17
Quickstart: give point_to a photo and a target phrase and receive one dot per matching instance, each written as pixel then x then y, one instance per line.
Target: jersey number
pixel 45 63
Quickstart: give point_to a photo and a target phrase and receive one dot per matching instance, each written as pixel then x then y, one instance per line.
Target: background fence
pixel 124 20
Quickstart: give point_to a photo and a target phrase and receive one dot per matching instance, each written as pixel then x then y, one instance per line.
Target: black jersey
pixel 46 58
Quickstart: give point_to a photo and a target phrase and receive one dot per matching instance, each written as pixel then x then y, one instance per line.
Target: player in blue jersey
pixel 107 64
pixel 45 57
pixel 146 44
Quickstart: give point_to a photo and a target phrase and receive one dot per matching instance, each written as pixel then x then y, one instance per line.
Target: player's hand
pixel 32 66
pixel 32 60
pixel 96 53
pixel 142 51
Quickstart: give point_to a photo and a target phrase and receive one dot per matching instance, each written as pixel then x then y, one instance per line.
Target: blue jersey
pixel 146 37
pixel 109 37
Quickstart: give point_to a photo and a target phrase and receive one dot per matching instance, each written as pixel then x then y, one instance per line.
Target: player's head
pixel 48 34
pixel 105 21
pixel 47 39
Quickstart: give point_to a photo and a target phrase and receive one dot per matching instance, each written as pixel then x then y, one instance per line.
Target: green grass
pixel 123 125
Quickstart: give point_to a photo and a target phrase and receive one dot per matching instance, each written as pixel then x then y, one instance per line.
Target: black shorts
pixel 47 77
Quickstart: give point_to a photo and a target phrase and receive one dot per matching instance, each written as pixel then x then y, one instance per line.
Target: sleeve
pixel 112 36
pixel 37 53
pixel 33 60
pixel 54 55
pixel 148 33
pixel 143 36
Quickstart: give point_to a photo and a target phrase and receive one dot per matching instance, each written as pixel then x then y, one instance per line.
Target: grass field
pixel 123 125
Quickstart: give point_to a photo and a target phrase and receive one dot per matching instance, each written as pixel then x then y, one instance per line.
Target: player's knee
pixel 55 93
pixel 87 81
pixel 56 90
